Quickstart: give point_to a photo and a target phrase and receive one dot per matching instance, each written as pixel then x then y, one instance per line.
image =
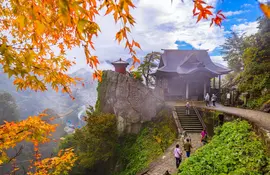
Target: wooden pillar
pixel 214 83
pixel 219 85
pixel 187 87
pixel 219 81
pixel 204 88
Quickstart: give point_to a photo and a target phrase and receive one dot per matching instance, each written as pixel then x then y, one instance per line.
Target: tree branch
pixel 16 155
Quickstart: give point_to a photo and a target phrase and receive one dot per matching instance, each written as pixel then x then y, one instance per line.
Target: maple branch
pixel 16 155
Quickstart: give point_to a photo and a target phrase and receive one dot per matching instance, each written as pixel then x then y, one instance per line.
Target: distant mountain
pixel 31 103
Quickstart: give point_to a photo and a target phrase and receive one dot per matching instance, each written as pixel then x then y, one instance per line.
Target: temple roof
pixel 120 62
pixel 188 62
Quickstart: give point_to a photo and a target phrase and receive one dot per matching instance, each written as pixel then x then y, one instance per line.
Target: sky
pixel 162 25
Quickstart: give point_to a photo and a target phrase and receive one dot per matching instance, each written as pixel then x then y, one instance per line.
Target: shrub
pixel 136 153
pixel 234 150
pixel 137 75
pixel 94 143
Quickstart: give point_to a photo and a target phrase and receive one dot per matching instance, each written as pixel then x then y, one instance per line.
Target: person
pixel 187 108
pixel 228 98
pixel 214 99
pixel 207 98
pixel 177 155
pixel 187 147
pixel 204 137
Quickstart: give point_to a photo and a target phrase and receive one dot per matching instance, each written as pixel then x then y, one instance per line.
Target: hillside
pixel 31 103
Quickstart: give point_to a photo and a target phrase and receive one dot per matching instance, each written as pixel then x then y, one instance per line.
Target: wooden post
pixel 204 89
pixel 214 83
pixel 187 87
pixel 219 85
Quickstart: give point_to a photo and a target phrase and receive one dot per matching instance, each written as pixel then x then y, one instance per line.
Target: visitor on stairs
pixel 204 137
pixel 214 99
pixel 177 155
pixel 187 108
pixel 207 99
pixel 187 147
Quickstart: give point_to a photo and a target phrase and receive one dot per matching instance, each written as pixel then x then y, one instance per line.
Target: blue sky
pixel 237 12
pixel 162 25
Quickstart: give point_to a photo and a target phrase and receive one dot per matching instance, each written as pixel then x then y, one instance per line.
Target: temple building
pixel 187 74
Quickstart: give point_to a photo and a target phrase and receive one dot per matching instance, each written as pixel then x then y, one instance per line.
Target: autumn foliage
pixel 202 10
pixel 34 38
pixel 37 131
pixel 31 30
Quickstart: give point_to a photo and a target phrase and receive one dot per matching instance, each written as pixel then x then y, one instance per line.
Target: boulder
pixel 129 99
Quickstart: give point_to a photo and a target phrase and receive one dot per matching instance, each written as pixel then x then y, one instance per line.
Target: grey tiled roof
pixel 189 61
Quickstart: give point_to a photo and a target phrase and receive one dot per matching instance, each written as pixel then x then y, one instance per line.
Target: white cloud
pixel 249 28
pixel 263 1
pixel 232 13
pixel 158 25
pixel 241 20
pixel 246 5
pixel 219 59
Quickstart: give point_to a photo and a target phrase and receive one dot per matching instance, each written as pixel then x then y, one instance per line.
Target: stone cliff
pixel 130 100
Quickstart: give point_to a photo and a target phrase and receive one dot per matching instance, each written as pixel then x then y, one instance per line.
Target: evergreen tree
pixel 149 63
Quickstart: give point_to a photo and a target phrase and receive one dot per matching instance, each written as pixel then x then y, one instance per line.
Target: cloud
pixel 232 13
pixel 159 24
pixel 246 5
pixel 249 28
pixel 219 59
pixel 241 20
pixel 263 1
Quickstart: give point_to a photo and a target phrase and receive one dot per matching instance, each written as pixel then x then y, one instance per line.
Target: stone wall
pixel 130 100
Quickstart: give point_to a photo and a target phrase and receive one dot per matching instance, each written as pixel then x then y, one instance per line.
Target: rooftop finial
pixel 120 59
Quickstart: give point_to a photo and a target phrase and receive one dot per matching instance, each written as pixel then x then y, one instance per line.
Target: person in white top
pixel 228 98
pixel 207 99
pixel 187 108
pixel 177 155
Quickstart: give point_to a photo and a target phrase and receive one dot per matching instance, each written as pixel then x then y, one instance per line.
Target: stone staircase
pixel 190 123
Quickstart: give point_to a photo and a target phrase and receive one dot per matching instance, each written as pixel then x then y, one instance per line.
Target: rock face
pixel 131 101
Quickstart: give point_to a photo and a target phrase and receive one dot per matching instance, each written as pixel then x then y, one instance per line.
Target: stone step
pixel 193 131
pixel 189 122
pixel 194 127
pixel 186 114
pixel 189 118
pixel 191 126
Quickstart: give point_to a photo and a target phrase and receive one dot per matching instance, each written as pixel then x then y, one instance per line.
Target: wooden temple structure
pixel 187 74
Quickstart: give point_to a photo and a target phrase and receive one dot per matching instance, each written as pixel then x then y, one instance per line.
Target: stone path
pixel 259 118
pixel 167 160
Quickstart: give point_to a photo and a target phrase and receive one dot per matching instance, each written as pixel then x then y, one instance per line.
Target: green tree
pixel 149 63
pixel 233 50
pixel 96 142
pixel 255 77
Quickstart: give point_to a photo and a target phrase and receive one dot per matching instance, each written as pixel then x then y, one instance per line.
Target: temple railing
pixel 199 116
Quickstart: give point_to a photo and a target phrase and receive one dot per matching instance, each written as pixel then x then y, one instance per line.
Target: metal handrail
pixel 199 116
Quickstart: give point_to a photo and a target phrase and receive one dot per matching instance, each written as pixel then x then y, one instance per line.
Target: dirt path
pixel 167 160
